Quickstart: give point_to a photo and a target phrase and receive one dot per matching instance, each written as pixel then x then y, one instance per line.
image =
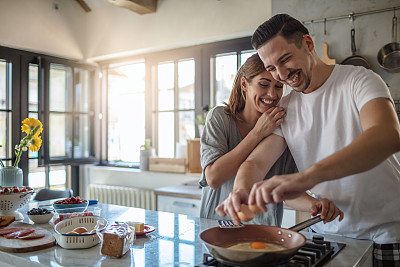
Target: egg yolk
pixel 258 245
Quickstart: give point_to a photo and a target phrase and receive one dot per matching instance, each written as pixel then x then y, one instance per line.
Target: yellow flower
pixel 36 142
pixel 29 124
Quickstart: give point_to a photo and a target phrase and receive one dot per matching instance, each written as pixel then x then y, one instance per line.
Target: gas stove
pixel 315 253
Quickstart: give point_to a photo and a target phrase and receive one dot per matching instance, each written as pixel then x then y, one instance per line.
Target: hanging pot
pixel 355 59
pixel 389 55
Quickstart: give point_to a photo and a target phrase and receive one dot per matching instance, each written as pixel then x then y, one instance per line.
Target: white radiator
pixel 124 196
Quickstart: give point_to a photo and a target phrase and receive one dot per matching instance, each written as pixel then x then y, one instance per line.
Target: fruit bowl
pixel 69 208
pixel 40 215
pixel 71 204
pixel 10 202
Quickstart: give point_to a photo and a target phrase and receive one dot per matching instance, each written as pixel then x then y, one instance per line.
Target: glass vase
pixel 11 176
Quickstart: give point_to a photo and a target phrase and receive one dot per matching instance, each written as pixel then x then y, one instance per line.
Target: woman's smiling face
pixel 263 91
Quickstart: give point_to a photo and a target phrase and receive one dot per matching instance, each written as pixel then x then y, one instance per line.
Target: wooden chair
pixel 46 194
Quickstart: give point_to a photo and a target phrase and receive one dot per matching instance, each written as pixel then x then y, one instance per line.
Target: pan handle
pixel 394 29
pixel 353 42
pixel 306 224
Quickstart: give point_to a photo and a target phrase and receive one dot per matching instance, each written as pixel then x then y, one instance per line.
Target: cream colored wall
pixel 176 23
pixel 110 31
pixel 35 25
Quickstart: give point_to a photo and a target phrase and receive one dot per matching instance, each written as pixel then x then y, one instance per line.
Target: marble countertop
pixel 175 242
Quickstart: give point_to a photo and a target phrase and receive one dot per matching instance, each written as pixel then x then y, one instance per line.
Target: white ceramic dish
pixel 69 241
pixel 44 218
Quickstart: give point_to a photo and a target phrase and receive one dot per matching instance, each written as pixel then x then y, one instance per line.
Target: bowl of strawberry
pixel 71 204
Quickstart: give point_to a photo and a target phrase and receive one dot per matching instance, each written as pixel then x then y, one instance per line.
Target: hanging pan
pixel 354 59
pixel 389 55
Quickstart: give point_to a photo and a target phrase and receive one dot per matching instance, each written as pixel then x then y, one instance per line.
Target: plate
pixel 147 229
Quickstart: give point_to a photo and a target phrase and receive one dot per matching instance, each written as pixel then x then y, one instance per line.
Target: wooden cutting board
pixel 20 245
pixel 325 57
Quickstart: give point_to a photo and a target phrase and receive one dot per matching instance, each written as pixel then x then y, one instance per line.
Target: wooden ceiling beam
pixel 83 4
pixel 138 6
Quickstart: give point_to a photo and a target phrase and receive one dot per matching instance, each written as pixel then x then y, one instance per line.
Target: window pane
pixel 82 142
pixel 60 88
pixel 60 141
pixel 186 84
pixel 5 84
pixel 33 86
pixel 82 81
pixel 225 71
pixel 186 126
pixel 126 112
pixel 57 177
pixel 166 86
pixel 245 55
pixel 36 176
pixel 166 135
pixel 5 135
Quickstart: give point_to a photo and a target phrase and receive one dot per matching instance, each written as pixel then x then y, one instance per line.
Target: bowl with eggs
pixel 255 245
pixel 79 232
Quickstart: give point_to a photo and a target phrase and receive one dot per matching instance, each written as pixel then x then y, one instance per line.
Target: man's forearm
pixel 367 151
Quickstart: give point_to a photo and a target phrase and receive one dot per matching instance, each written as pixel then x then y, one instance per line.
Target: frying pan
pixel 355 59
pixel 389 55
pixel 217 239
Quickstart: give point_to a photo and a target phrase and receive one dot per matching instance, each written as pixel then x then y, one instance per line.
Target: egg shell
pixel 254 208
pixel 245 214
pixel 80 230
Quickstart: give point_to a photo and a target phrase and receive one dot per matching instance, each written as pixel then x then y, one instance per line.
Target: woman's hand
pixel 268 121
pixel 231 206
pixel 327 209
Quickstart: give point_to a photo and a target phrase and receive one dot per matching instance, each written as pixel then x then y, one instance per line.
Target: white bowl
pixel 69 241
pixel 44 218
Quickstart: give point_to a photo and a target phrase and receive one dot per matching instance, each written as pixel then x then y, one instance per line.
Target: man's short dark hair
pixel 282 24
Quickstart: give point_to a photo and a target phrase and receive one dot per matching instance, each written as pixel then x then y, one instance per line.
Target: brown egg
pixel 245 214
pixel 254 208
pixel 80 230
pixel 72 233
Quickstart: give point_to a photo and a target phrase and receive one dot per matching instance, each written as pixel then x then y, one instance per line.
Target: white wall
pixel 109 31
pixel 35 25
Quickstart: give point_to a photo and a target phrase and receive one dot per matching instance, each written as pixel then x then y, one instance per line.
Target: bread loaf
pixel 117 239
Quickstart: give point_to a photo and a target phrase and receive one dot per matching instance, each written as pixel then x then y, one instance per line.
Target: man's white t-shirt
pixel 324 121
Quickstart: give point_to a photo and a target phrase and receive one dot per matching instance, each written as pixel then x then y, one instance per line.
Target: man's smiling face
pixel 288 63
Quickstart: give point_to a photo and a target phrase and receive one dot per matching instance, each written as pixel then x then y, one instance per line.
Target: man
pixel 342 130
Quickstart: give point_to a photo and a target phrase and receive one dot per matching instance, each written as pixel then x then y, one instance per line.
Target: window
pixel 176 103
pixel 5 111
pixel 165 91
pixel 126 112
pixel 226 66
pixel 59 93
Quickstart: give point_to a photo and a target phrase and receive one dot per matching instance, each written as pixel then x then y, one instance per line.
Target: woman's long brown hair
pixel 237 100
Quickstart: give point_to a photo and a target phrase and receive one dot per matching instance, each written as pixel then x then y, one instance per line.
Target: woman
pixel 232 131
